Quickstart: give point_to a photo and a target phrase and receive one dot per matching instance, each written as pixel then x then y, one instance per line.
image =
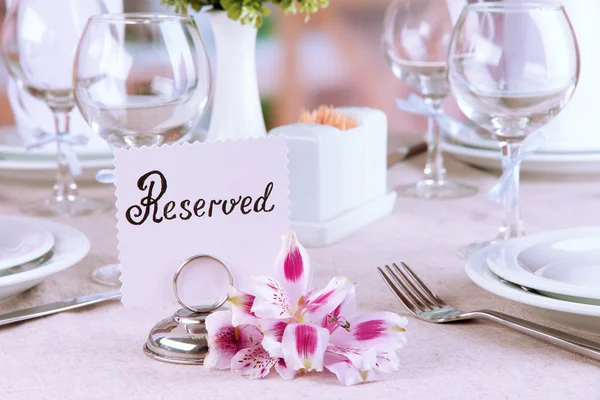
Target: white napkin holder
pixel 338 179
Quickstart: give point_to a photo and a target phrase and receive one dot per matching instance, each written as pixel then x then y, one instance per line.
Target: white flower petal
pixel 225 340
pixel 361 358
pixel 292 268
pixel 253 362
pixel 241 308
pixel 388 362
pixel 272 330
pixel 218 320
pixel 285 372
pixel 382 331
pixel 271 301
pixel 304 346
pixel 347 373
pixel 324 302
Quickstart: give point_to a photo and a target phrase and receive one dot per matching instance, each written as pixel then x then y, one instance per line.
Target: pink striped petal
pixel 271 301
pixel 283 370
pixel 272 330
pixel 325 301
pixel 381 331
pixel 304 346
pixel 241 307
pixel 253 362
pixel 292 268
pixel 225 340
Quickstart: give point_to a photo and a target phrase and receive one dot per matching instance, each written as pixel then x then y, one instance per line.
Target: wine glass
pixel 512 68
pixel 141 80
pixel 39 44
pixel 415 40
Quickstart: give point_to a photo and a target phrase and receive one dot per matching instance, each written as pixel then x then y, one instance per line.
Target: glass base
pixel 429 189
pixel 108 275
pixel 470 249
pixel 503 234
pixel 64 207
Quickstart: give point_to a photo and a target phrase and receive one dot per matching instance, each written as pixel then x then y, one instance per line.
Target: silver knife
pixel 54 308
pixel 403 153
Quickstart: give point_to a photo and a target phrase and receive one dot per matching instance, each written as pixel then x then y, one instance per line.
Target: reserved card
pixel 225 199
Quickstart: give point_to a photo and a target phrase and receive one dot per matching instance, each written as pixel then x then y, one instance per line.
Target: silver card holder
pixel 182 338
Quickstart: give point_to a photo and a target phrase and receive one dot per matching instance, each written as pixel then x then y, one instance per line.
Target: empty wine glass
pixel 512 68
pixel 415 40
pixel 141 80
pixel 39 46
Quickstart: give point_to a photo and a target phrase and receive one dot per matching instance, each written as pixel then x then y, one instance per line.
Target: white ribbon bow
pixel 498 193
pixel 43 138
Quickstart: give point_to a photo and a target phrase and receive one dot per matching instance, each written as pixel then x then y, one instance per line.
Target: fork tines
pixel 410 290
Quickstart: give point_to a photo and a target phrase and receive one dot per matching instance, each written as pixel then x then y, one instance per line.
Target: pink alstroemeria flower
pixel 287 313
pixel 282 323
pixel 362 349
pixel 236 348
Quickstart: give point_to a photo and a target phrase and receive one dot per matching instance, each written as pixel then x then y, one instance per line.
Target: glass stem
pixel 65 187
pixel 434 169
pixel 512 221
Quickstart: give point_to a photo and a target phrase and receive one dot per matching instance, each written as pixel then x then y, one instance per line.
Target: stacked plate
pixel 557 273
pixel 560 156
pixel 16 162
pixel 32 250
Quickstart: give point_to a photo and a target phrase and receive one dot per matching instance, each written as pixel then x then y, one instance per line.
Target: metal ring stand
pixel 182 338
pixel 216 304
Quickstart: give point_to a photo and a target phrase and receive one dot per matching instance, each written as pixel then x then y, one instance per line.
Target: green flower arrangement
pixel 249 11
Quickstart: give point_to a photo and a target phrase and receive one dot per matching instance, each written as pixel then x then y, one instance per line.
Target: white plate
pixel 22 241
pixel 36 170
pixel 561 262
pixel 549 164
pixel 70 247
pixel 580 316
pixel 12 146
pixel 474 140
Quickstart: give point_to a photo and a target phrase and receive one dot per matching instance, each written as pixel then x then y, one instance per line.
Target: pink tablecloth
pixel 96 353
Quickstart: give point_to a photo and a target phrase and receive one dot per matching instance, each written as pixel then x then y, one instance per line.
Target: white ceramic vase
pixel 236 109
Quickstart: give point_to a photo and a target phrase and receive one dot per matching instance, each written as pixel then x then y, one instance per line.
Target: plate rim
pixel 530 280
pixel 32 255
pixel 565 158
pixel 51 267
pixel 476 264
pixel 492 145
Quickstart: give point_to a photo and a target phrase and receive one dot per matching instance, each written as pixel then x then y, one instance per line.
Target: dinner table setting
pixel 144 255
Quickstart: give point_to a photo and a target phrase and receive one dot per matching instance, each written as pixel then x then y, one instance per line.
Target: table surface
pixel 96 353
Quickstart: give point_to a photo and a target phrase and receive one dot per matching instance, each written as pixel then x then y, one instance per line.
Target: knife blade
pixel 60 306
pixel 403 153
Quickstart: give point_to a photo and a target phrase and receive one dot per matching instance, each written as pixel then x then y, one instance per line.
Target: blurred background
pixel 334 58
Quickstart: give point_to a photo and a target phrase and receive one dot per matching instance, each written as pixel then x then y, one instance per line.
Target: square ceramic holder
pixel 338 179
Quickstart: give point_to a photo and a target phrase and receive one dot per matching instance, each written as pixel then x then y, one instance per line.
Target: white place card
pixel 225 199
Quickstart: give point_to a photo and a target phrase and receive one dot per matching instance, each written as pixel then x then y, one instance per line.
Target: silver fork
pixel 426 305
